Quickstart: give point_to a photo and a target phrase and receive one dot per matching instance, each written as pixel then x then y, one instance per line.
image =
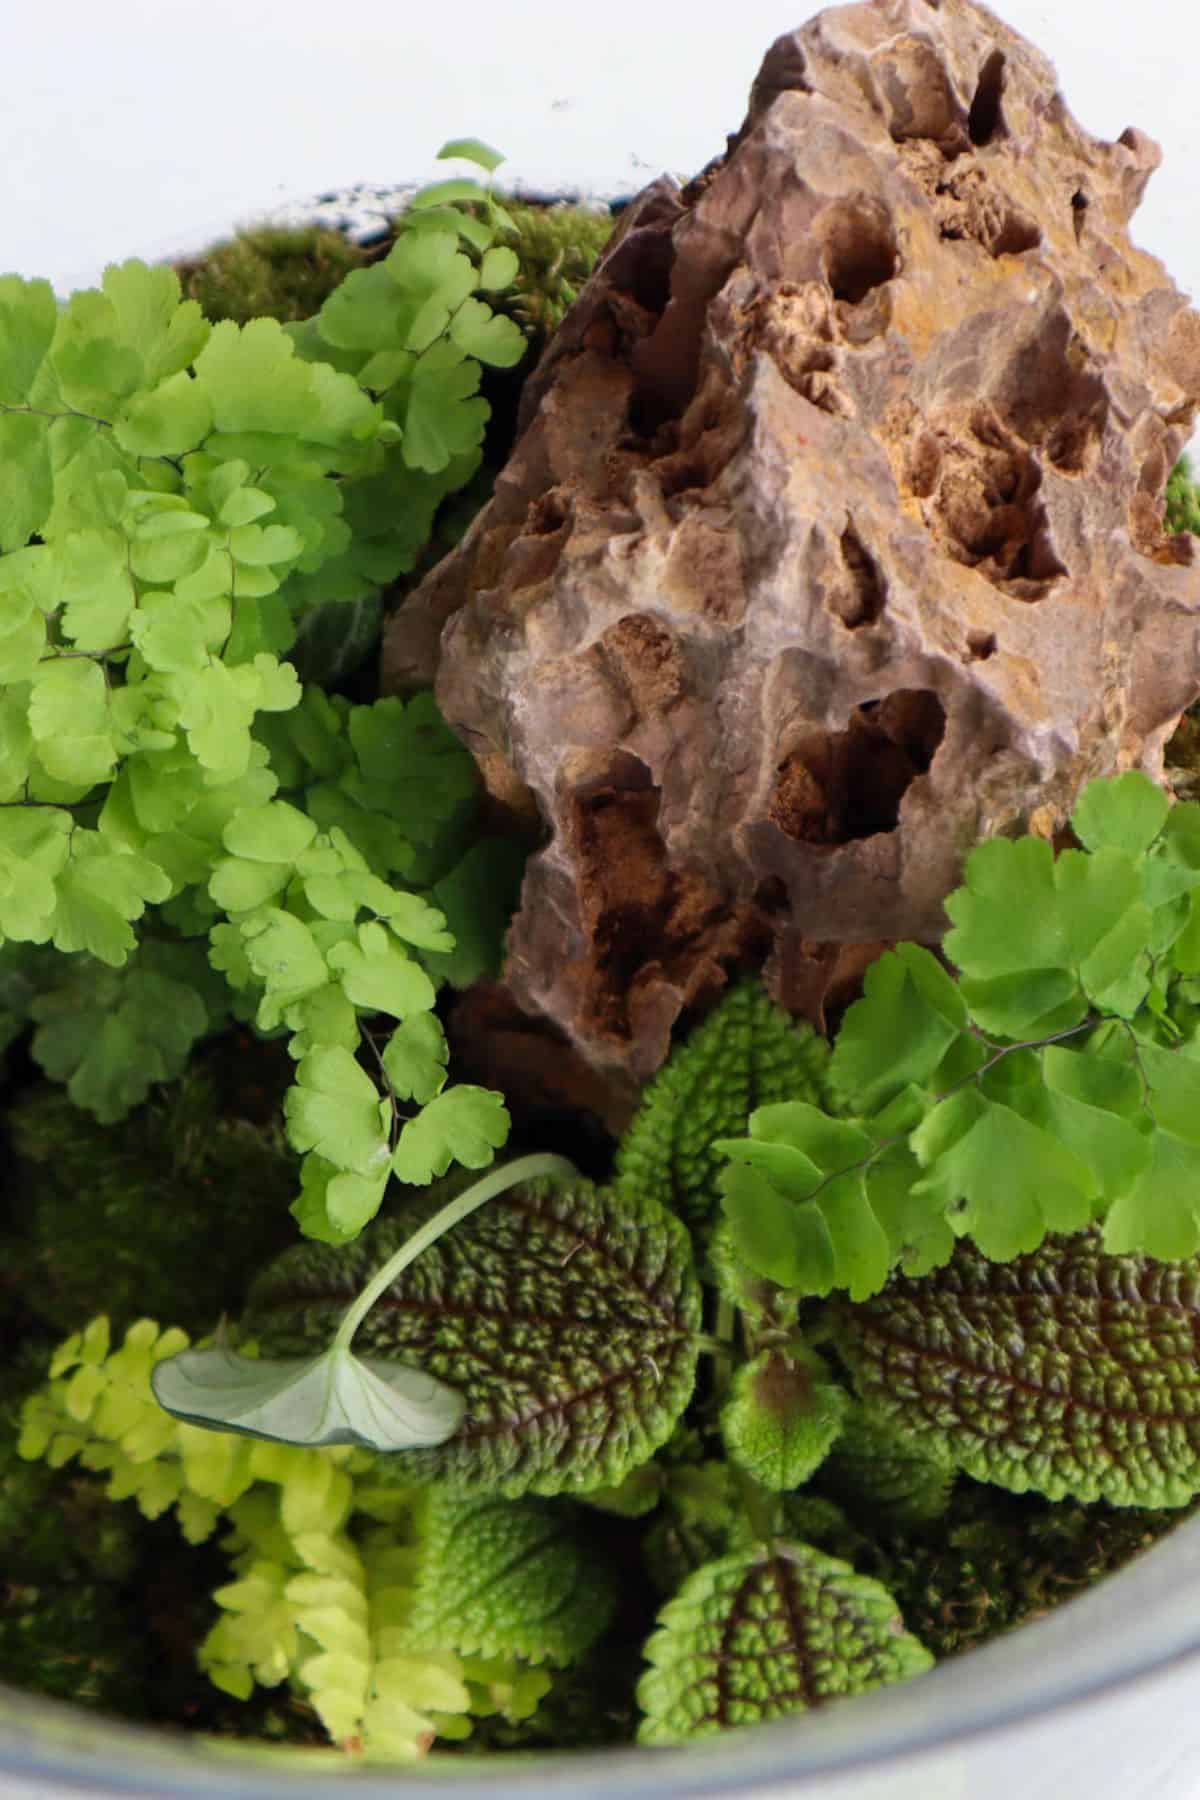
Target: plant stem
pixel 526 1168
pixel 757 1502
pixel 724 1330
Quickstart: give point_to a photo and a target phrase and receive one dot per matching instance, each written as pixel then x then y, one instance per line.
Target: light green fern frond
pixel 324 1560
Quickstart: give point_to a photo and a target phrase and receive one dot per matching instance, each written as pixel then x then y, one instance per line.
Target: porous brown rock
pixel 832 541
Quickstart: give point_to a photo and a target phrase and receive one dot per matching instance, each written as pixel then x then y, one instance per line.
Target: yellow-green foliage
pixel 288 273
pixel 269 271
pixel 557 248
pixel 322 1563
pixel 1183 499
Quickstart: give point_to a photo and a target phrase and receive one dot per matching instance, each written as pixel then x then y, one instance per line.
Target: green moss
pixel 994 1560
pixel 269 272
pixel 590 1706
pixel 70 1642
pixel 163 1215
pixel 283 273
pixel 557 248
pixel 1183 499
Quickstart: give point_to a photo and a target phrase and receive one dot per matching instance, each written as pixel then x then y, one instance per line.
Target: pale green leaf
pixel 26 479
pixel 377 974
pixel 335 1110
pixel 465 1124
pixel 28 317
pixel 498 269
pixel 415 1058
pixel 1126 812
pixel 471 150
pixel 336 1398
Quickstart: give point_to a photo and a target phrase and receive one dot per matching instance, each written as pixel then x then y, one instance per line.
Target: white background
pixel 149 126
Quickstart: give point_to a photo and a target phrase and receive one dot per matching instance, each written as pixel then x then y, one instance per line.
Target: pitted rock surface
pixel 832 541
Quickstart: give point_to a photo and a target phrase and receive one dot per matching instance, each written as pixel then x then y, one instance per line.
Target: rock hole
pixel 990 511
pixel 532 556
pixel 837 787
pixel 706 437
pixel 985 117
pixel 858 599
pixel 970 205
pixel 639 915
pixel 547 514
pixel 650 282
pixel 1016 233
pixel 771 894
pixel 860 247
pixel 1079 206
pixel 924 465
pixel 1052 396
pixel 980 645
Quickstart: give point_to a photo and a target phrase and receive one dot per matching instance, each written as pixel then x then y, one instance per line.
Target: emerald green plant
pixel 288 272
pixel 321 1590
pixel 336 1397
pixel 557 248
pixel 1050 1087
pixel 719 1362
pixel 699 1423
pixel 1183 500
pixel 176 497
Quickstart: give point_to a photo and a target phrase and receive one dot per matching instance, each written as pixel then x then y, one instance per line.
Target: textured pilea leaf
pixel 784 1414
pixel 565 1314
pixel 766 1632
pixel 507 1578
pixel 880 1475
pixel 745 1054
pixel 1067 1371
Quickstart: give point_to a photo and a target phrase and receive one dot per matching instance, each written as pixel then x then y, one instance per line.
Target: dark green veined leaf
pixel 1067 1371
pixel 564 1313
pixel 882 1477
pixel 745 1054
pixel 507 1578
pixel 762 1633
